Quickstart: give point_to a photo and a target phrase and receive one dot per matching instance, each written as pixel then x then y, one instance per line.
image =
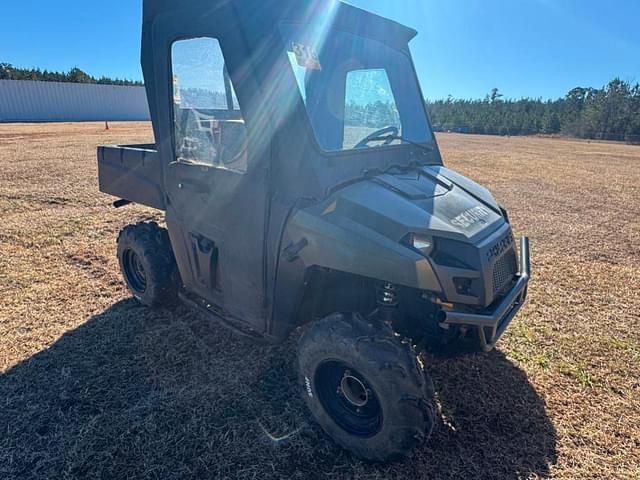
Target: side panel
pixel 133 173
pixel 340 245
pixel 343 245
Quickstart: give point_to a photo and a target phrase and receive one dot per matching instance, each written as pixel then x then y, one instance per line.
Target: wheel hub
pixel 134 271
pixel 348 398
pixel 354 390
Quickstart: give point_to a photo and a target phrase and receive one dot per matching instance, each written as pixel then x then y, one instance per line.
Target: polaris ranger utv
pixel 303 187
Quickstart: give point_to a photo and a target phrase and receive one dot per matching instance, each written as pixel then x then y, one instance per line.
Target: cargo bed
pixel 132 172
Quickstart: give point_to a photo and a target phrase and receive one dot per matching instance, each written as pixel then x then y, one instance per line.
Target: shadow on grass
pixel 140 394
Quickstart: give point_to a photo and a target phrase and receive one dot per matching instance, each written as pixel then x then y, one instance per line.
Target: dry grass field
pixel 94 386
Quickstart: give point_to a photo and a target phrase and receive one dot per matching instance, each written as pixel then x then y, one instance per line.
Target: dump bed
pixel 132 172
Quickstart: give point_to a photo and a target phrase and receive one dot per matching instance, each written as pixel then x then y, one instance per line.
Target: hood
pixel 430 200
pixel 359 228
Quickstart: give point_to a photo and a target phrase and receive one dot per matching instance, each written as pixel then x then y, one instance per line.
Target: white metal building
pixel 29 101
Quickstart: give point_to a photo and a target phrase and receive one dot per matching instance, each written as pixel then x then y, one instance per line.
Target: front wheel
pixel 365 387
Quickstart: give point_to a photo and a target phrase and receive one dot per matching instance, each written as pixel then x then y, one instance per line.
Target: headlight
pixel 422 243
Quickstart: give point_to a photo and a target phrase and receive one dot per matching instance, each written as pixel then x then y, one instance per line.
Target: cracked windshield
pixel 363 95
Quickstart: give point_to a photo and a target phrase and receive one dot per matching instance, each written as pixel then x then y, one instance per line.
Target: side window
pixel 209 127
pixel 369 105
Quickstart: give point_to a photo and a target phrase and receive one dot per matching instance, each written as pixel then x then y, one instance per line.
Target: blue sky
pixel 536 48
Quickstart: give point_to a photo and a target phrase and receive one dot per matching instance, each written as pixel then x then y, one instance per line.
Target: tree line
pixel 75 75
pixel 608 113
pixel 374 115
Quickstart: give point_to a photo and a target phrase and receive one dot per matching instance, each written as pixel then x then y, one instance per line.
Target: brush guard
pixel 492 325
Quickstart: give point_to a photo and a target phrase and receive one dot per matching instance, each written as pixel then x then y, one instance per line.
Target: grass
pixel 94 386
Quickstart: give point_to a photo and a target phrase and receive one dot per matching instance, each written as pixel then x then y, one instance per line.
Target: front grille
pixel 504 270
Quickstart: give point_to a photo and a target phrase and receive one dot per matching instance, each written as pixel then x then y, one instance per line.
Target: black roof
pixel 273 11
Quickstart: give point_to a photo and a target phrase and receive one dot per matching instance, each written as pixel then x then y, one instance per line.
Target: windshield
pixel 358 92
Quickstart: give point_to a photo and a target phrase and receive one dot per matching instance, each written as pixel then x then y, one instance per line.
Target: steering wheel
pixel 387 134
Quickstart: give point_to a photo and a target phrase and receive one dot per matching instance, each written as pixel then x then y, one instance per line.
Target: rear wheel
pixel 365 387
pixel 148 265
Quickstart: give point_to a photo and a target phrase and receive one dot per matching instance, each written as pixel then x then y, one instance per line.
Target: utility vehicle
pixel 303 187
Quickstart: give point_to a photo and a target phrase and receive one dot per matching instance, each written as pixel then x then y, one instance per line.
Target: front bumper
pixel 493 323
